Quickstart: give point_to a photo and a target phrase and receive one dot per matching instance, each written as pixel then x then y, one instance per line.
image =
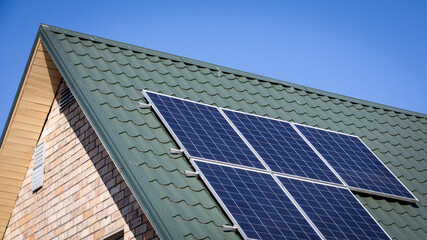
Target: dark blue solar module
pixel 281 147
pixel 257 203
pixel 203 131
pixel 334 211
pixel 354 162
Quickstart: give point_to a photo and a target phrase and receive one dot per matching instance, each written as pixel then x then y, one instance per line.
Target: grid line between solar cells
pixel 334 211
pixel 203 131
pixel 281 146
pixel 256 202
pixel 355 162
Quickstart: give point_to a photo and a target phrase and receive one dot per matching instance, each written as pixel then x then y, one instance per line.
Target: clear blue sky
pixel 372 50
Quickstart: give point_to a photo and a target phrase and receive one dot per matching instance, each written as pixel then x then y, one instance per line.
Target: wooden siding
pixel 27 121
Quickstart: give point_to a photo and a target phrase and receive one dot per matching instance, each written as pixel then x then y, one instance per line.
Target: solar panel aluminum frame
pixel 342 187
pixel 415 200
pixel 224 207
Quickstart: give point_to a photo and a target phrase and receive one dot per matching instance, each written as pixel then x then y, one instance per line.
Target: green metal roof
pixel 107 77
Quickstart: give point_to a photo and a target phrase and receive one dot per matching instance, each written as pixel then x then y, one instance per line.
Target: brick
pixel 104 222
pixel 97 158
pixel 127 209
pixel 129 195
pixel 63 236
pixel 110 183
pixel 144 219
pixel 132 215
pixel 134 223
pixel 104 195
pixel 72 231
pixel 87 214
pixel 108 176
pixel 91 220
pixel 101 147
pixel 99 234
pixel 102 214
pixel 93 152
pixel 98 182
pixel 76 196
pixel 120 195
pixel 84 232
pixel 103 170
pixel 25 219
pixel 116 215
pixel 115 190
pixel 94 227
pixel 58 231
pixel 99 190
pixel 141 229
pixel 116 173
pixel 149 234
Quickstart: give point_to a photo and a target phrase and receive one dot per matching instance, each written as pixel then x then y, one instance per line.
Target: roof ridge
pixel 229 70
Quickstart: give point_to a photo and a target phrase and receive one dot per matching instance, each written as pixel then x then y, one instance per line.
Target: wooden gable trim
pixel 25 125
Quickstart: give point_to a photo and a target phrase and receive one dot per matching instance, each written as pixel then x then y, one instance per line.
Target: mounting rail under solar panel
pixel 335 211
pixel 281 147
pixel 202 130
pixel 357 165
pixel 256 203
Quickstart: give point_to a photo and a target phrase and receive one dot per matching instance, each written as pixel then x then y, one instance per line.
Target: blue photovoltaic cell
pixel 281 147
pixel 257 202
pixel 203 131
pixel 334 211
pixel 354 162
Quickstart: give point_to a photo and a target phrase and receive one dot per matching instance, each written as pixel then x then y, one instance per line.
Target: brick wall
pixel 83 195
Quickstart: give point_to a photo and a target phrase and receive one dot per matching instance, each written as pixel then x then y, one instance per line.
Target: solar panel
pixel 281 147
pixel 354 162
pixel 203 131
pixel 257 203
pixel 334 211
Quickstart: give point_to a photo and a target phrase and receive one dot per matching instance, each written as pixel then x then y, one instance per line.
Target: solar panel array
pixel 252 164
pixel 281 147
pixel 354 162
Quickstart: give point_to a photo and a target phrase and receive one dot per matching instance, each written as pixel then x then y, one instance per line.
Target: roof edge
pixel 230 70
pixel 21 84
